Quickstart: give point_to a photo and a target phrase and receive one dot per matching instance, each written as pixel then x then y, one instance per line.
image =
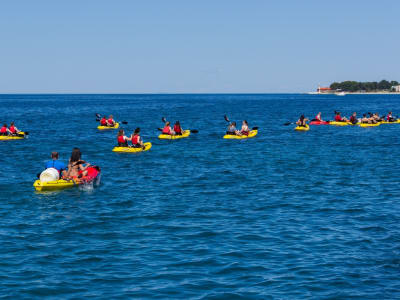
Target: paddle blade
pixel 194 131
pixel 160 129
pixel 226 118
pixel 97 120
pixel 255 128
pixel 26 132
pixel 287 123
pixel 164 120
pixel 124 122
pixel 98 116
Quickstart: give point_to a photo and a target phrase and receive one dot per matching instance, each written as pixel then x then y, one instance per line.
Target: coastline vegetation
pixel 356 86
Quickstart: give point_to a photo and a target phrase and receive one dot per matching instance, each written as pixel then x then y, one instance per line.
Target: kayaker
pixel 232 129
pixel 103 121
pixel 90 173
pixel 55 163
pixel 122 139
pixel 75 164
pixel 14 130
pixel 389 117
pixel 177 128
pixel 110 121
pixel 245 128
pixel 371 119
pixel 167 129
pixel 136 139
pixel 365 120
pixel 4 130
pixel 377 118
pixel 318 118
pixel 339 118
pixel 302 121
pixel 353 119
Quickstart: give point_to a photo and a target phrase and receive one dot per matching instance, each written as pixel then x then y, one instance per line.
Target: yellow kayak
pixel 185 134
pixel 302 128
pixel 369 125
pixel 55 185
pixel 108 127
pixel 252 133
pixel 147 146
pixel 21 136
pixel 395 122
pixel 339 123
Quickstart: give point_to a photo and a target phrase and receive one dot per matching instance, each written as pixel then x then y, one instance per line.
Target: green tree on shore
pixel 355 86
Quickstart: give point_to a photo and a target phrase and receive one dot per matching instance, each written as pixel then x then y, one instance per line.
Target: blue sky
pixel 195 46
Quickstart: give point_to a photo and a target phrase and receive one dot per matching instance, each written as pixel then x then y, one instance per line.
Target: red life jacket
pixel 110 121
pixel 317 118
pixel 338 118
pixel 166 130
pixel 388 117
pixel 12 129
pixel 177 129
pixel 3 129
pixel 103 122
pixel 121 139
pixel 135 139
pixel 92 172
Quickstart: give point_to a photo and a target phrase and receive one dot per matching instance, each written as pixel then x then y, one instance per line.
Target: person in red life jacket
pixel 122 139
pixel 353 119
pixel 389 117
pixel 167 129
pixel 14 130
pixel 136 139
pixel 103 121
pixel 339 118
pixel 318 118
pixel 302 121
pixel 177 128
pixel 245 128
pixel 4 130
pixel 110 121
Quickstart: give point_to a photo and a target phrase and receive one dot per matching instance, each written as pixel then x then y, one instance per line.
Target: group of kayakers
pixel 76 168
pixel 369 118
pixel 231 130
pixel 12 130
pixel 110 122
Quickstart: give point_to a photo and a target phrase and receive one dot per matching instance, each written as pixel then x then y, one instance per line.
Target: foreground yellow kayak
pixel 55 185
pixel 302 128
pixel 147 146
pixel 369 125
pixel 185 134
pixel 20 136
pixel 252 133
pixel 108 127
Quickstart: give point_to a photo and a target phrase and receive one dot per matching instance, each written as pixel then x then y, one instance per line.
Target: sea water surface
pixel 286 215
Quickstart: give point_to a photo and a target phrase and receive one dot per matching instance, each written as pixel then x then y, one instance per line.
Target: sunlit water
pixel 284 215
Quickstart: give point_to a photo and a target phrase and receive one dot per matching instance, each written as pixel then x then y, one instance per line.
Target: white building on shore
pixel 396 88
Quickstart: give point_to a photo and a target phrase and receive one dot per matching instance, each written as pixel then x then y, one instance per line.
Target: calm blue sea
pixel 286 215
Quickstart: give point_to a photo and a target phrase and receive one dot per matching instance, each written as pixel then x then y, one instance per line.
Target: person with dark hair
pixel 75 164
pixel 167 129
pixel 136 139
pixel 365 120
pixel 177 128
pixel 245 128
pixel 231 130
pixel 103 121
pixel 122 139
pixel 353 119
pixel 302 121
pixel 14 130
pixel 55 163
pixel 339 118
pixel 4 130
pixel 389 117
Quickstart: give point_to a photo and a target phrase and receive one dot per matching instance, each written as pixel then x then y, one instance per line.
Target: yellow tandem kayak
pixel 185 134
pixel 335 123
pixel 252 133
pixel 108 127
pixel 147 146
pixel 369 125
pixel 55 185
pixel 20 136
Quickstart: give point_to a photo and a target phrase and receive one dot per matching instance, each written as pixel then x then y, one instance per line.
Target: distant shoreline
pixel 357 93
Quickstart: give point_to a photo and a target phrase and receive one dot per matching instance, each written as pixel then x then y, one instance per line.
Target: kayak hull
pixel 21 136
pixel 369 125
pixel 61 184
pixel 302 128
pixel 252 133
pixel 132 149
pixel 185 134
pixel 318 123
pixel 116 126
pixel 334 123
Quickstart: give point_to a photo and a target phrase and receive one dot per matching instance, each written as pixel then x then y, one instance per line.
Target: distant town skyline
pixel 195 47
